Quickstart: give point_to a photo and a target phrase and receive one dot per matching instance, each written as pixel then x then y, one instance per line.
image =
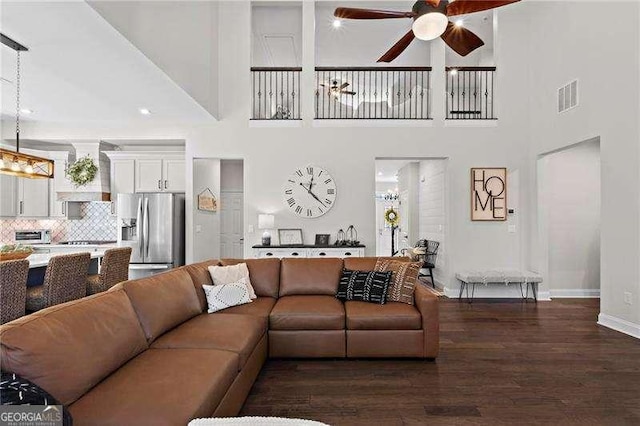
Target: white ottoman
pixel 499 276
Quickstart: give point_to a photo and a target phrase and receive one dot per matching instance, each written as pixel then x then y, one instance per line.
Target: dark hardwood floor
pixel 501 363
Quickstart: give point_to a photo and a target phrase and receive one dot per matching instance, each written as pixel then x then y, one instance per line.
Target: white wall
pixel 276 32
pixel 565 45
pixel 410 205
pixel 205 229
pixel 180 37
pixel 432 211
pixel 572 191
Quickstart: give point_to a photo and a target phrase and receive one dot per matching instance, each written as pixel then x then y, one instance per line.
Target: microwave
pixel 33 236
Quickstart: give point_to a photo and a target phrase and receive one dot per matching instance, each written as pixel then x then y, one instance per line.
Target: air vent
pixel 568 97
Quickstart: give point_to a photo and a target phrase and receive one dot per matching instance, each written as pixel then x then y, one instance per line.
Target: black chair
pixel 428 259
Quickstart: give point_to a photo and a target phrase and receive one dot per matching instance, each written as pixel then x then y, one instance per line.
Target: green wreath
pixel 391 216
pixel 82 171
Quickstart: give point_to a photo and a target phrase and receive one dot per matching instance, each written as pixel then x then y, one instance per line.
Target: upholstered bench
pixel 499 276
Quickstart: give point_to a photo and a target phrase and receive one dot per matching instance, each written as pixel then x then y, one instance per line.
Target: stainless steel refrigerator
pixel 153 225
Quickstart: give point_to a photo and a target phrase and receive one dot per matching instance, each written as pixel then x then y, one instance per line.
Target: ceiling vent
pixel 568 97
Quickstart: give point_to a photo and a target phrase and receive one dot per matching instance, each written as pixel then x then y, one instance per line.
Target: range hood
pixel 97 190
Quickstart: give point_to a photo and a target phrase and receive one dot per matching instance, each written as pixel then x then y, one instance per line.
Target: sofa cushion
pixel 261 308
pixel 67 349
pixel 160 387
pixel 226 295
pixel 163 301
pixel 404 280
pixel 391 316
pixel 307 313
pixel 229 332
pixel 200 276
pixel 310 276
pixel 232 274
pixel 264 274
pixel 366 286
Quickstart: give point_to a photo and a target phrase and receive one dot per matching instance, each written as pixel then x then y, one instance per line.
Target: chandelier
pixel 17 163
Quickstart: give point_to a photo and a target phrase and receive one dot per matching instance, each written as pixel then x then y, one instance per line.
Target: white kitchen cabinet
pixel 173 176
pixel 123 174
pixel 148 175
pixel 263 252
pixel 33 197
pixel 8 196
pixel 60 183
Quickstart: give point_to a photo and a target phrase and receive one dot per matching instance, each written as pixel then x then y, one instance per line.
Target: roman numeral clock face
pixel 310 192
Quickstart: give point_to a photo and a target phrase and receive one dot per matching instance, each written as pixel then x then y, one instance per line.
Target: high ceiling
pixel 80 69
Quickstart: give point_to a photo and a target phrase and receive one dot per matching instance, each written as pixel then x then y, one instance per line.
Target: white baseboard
pixel 575 293
pixel 618 324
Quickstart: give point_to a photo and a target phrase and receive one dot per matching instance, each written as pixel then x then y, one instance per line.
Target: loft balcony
pixel 470 93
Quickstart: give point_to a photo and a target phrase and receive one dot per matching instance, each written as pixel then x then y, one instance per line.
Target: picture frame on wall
pixel 489 194
pixel 290 237
pixel 323 239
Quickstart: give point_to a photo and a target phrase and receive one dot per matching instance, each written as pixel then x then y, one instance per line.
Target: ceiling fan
pixel 430 20
pixel 335 90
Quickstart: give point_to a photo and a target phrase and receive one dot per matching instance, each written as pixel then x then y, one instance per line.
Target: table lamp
pixel 266 222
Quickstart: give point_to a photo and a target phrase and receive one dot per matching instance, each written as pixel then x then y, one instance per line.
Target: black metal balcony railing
pixel 373 93
pixel 276 93
pixel 470 93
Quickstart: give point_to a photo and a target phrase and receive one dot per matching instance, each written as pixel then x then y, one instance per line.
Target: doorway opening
pixel 218 233
pixel 414 189
pixel 569 211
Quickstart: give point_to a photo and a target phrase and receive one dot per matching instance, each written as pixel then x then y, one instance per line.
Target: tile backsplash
pixel 96 223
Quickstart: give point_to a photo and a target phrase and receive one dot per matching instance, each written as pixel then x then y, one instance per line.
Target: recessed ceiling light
pixel 337 23
pixel 453 72
pixel 459 23
pixel 26 111
pixel 145 111
pixel 379 173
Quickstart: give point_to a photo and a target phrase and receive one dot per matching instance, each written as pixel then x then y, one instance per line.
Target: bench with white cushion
pixel 499 276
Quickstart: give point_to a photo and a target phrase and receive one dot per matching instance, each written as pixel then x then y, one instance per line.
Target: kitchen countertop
pixel 73 246
pixel 39 260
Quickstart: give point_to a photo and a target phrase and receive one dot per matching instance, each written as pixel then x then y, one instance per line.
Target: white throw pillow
pixel 226 295
pixel 232 274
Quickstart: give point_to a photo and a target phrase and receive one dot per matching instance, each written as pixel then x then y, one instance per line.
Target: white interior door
pixel 231 225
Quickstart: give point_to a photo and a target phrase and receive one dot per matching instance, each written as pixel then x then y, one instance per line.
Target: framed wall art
pixel 290 237
pixel 489 194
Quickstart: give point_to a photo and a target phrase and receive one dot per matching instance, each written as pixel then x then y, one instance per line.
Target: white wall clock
pixel 310 192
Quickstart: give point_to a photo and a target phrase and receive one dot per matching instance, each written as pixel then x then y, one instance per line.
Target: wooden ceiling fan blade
pixel 354 13
pixel 398 48
pixel 434 3
pixel 461 7
pixel 461 40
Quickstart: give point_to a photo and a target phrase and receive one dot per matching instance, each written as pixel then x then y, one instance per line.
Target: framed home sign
pixel 489 194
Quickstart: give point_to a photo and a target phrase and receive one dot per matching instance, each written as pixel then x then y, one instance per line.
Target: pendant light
pixel 15 162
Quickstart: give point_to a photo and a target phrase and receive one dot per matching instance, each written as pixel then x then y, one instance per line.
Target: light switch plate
pixel 512 228
pixel 251 229
pixel 198 228
pixel 627 298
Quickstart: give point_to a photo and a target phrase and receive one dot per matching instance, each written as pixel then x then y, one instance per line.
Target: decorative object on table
pixel 16 390
pixel 65 279
pixel 392 218
pixel 403 282
pixel 322 239
pixel 13 289
pixel 351 236
pixel 114 269
pixel 310 192
pixel 207 201
pixel 489 194
pixel 340 241
pixel 15 252
pixel 82 171
pixel 16 163
pixel 364 286
pixel 290 237
pixel 266 222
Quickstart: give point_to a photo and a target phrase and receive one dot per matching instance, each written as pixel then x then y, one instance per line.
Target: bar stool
pixel 64 280
pixel 13 289
pixel 114 269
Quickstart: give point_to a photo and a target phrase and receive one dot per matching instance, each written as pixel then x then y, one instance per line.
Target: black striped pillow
pixel 366 286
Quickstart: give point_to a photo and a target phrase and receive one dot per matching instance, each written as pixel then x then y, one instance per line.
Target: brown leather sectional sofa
pixel 147 353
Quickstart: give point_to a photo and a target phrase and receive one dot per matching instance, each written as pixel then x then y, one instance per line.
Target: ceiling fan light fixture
pixel 337 23
pixel 430 25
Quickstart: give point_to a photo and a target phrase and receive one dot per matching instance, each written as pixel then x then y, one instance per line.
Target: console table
pixel 261 252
